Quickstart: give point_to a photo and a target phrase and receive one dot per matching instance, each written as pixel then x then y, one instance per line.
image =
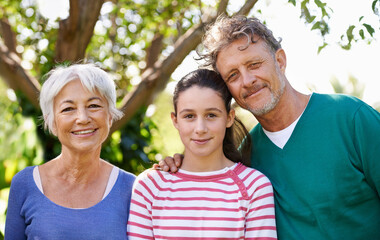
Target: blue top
pixel 31 215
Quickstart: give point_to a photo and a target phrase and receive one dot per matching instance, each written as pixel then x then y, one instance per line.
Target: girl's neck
pixel 193 163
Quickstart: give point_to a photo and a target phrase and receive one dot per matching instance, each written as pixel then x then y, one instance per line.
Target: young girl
pixel 213 195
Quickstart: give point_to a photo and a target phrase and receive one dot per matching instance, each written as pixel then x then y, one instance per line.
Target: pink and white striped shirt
pixel 233 203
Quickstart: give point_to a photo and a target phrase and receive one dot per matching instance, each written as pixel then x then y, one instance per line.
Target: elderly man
pixel 320 151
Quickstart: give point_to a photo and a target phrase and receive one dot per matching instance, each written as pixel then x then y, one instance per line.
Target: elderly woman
pixel 76 195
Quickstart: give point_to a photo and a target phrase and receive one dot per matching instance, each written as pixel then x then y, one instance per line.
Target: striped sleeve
pixel 140 216
pixel 260 219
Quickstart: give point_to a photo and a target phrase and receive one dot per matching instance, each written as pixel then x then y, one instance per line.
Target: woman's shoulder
pixel 24 176
pixel 126 175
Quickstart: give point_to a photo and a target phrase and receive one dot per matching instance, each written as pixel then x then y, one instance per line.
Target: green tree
pixel 139 42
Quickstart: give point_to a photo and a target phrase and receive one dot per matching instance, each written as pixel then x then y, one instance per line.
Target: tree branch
pixel 8 35
pixel 17 77
pixel 222 8
pixel 154 79
pixel 154 50
pixel 246 8
pixel 76 31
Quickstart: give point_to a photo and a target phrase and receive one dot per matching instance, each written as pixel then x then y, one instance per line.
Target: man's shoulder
pixel 337 99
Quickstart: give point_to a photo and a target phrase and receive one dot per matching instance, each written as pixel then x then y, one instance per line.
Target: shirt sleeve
pixel 15 223
pixel 260 220
pixel 367 143
pixel 140 225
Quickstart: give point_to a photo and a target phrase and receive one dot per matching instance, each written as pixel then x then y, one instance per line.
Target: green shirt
pixel 326 179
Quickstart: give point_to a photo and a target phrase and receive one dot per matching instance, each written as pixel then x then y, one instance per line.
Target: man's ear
pixel 281 59
pixel 230 118
pixel 174 119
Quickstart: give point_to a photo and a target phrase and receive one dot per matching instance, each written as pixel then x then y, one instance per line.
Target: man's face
pixel 254 76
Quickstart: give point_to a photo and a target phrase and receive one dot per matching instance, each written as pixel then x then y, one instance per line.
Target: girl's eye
pixel 211 115
pixel 188 116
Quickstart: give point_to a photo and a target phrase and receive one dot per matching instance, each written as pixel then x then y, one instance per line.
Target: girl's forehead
pixel 200 96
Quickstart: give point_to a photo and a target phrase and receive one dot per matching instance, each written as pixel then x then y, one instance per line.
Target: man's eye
pixel 232 77
pixel 255 65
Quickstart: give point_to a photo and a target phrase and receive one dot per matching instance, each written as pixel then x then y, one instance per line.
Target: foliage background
pixel 132 40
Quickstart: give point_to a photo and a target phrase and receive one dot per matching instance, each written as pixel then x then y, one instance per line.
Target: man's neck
pixel 289 108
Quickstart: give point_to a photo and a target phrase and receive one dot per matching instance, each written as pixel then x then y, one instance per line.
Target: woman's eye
pixel 94 106
pixel 67 109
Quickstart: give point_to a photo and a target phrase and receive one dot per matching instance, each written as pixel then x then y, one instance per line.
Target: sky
pixel 305 67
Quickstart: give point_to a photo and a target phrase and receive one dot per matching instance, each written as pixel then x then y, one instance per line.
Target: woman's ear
pixel 110 120
pixel 230 118
pixel 54 129
pixel 174 119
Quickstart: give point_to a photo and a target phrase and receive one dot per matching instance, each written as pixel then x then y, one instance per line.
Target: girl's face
pixel 201 121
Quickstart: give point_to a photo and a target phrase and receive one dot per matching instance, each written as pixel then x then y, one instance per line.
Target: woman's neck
pixel 76 167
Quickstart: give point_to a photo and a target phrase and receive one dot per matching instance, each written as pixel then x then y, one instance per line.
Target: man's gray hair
pixel 226 30
pixel 91 77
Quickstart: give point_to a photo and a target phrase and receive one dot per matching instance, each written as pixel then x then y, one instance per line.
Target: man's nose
pixel 248 78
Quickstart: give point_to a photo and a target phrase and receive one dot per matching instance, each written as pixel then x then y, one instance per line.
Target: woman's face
pixel 81 118
pixel 201 121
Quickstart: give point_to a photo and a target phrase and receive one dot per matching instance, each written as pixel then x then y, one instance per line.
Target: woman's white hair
pixel 91 77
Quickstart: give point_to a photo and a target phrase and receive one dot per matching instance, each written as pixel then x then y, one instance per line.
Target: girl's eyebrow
pixel 207 109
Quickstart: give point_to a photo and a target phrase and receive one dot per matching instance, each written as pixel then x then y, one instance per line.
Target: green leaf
pixel 369 29
pixel 361 18
pixel 320 4
pixel 316 25
pixel 374 7
pixel 361 33
pixel 349 34
pixel 292 2
pixel 321 47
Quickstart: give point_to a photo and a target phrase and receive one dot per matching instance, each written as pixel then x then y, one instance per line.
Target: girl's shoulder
pixel 251 176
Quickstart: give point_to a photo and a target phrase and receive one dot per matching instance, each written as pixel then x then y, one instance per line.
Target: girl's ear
pixel 174 119
pixel 230 118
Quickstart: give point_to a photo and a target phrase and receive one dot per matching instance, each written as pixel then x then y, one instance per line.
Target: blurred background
pixel 147 46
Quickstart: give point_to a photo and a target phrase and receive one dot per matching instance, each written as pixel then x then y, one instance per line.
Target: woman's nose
pixel 83 116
